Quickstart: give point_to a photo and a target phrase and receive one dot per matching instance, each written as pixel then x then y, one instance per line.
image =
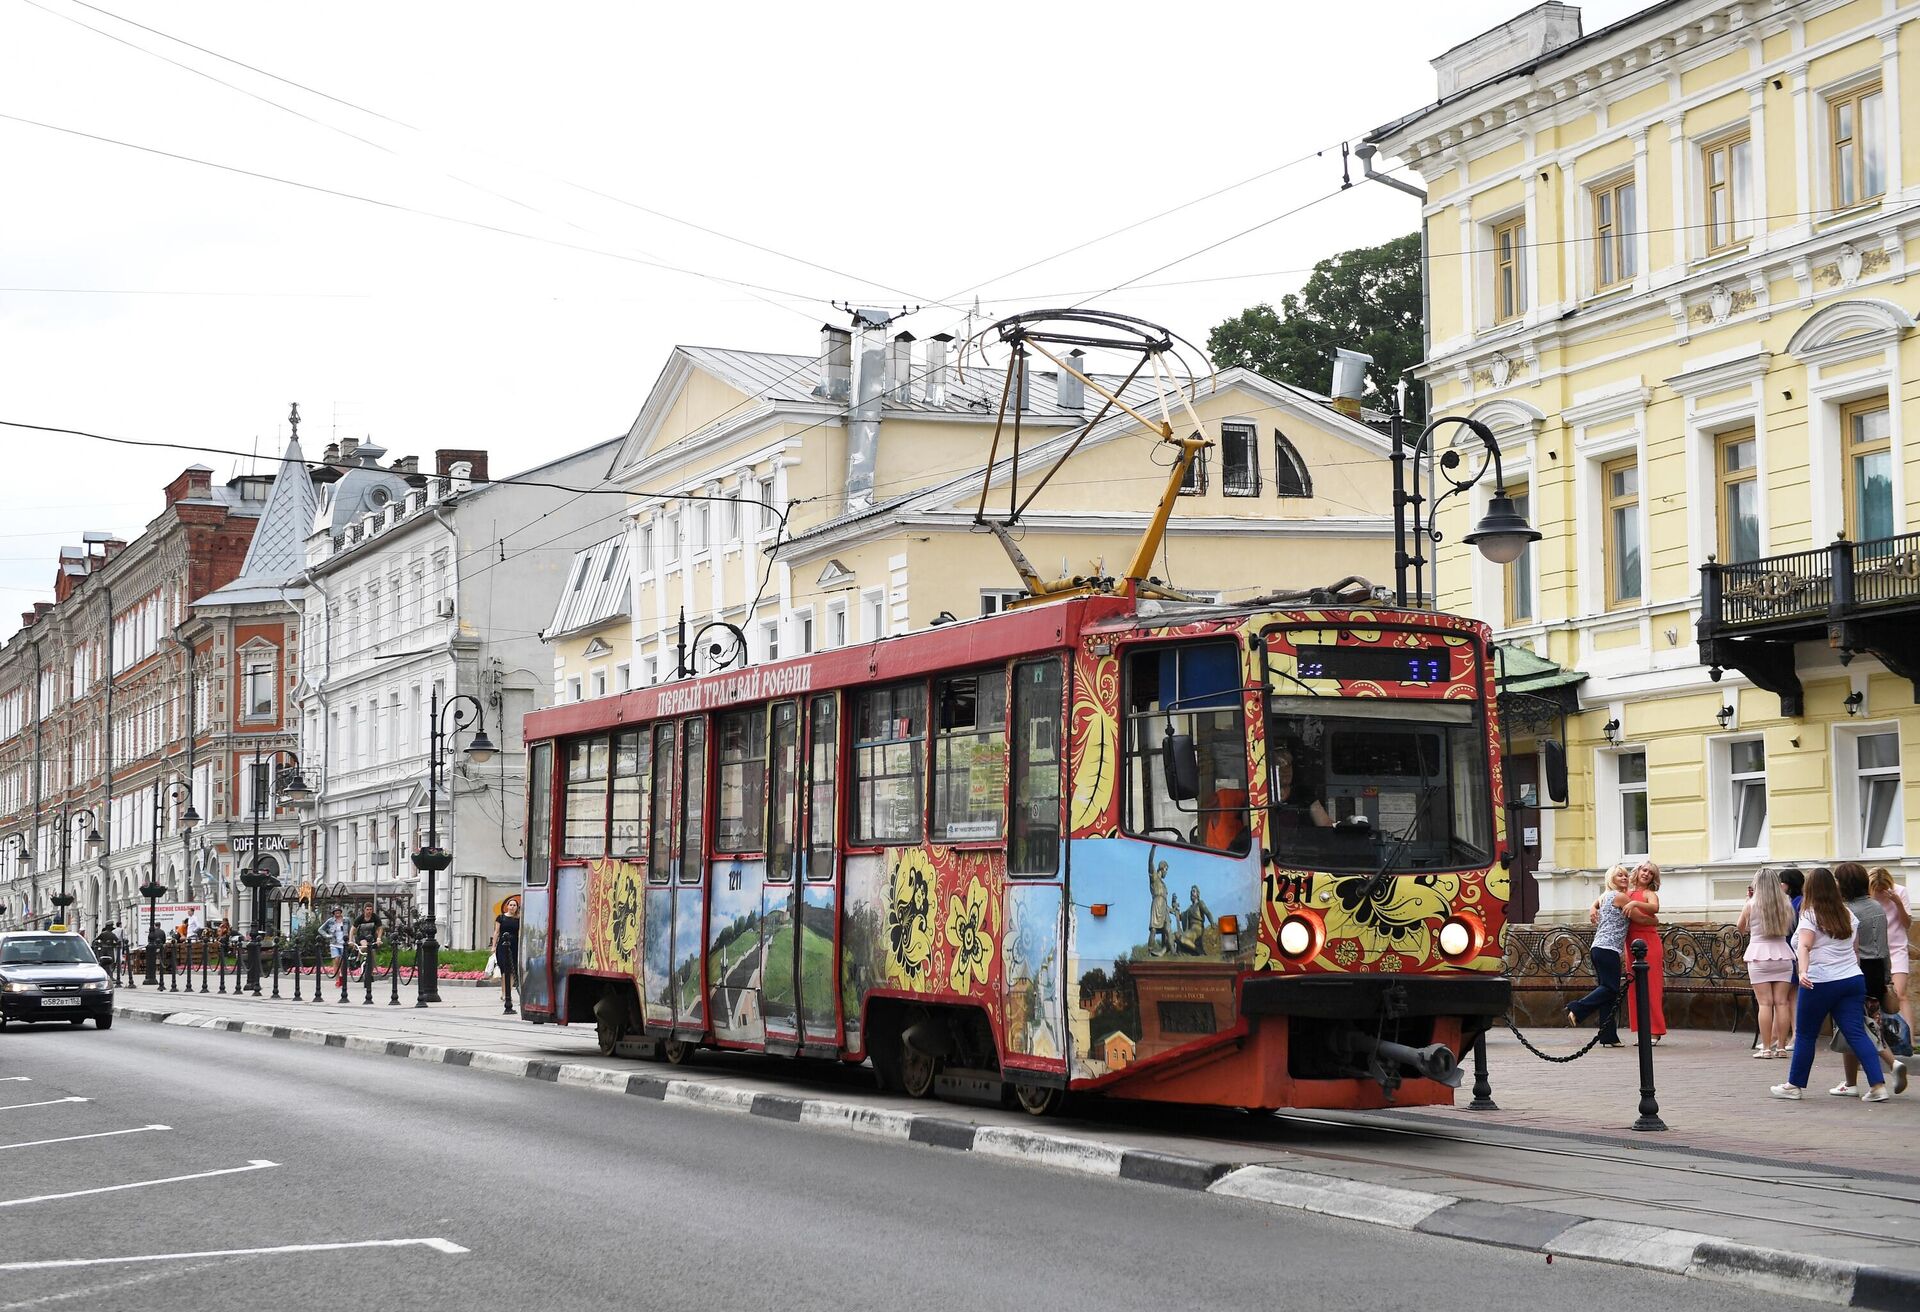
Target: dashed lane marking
pixel 75 1138
pixel 50 1102
pixel 438 1245
pixel 257 1164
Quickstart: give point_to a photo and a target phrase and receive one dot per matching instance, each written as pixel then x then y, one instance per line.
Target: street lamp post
pixel 66 820
pixel 1502 533
pixel 294 788
pixel 188 819
pixel 23 856
pixel 431 857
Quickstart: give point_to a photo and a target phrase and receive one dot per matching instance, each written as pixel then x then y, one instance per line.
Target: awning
pixel 1534 690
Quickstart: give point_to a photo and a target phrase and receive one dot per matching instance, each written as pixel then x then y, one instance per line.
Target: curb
pixel 1524 1229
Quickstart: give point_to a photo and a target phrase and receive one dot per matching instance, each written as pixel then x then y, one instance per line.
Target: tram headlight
pixel 1300 936
pixel 1460 937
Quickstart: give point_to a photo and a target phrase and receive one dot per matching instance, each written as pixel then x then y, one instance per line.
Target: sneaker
pixel 1843 1091
pixel 1899 1077
pixel 1791 1092
pixel 1878 1093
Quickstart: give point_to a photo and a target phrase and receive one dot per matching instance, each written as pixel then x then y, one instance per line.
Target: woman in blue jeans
pixel 1609 941
pixel 1831 984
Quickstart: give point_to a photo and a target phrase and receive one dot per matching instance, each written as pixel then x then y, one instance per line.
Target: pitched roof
pixel 277 552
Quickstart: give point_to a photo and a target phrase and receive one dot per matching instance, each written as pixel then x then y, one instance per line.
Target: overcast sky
pixel 898 153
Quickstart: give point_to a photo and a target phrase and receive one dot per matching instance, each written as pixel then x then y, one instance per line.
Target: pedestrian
pixel 1870 948
pixel 1899 953
pixel 1831 984
pixel 506 948
pixel 1767 919
pixel 1643 910
pixel 335 932
pixel 367 933
pixel 1609 941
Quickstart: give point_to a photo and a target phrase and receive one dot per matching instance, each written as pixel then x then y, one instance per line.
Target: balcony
pixel 1857 596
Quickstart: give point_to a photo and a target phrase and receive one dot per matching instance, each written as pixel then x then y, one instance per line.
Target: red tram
pixel 1247 855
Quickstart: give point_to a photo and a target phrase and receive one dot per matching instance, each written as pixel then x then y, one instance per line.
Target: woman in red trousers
pixel 1643 914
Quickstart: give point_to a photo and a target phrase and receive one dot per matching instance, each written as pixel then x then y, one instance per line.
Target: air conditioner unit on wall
pixel 444 608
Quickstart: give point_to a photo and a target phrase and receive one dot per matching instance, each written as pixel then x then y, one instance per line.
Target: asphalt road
pixel 529 1195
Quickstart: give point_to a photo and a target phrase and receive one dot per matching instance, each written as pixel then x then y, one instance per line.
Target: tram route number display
pixel 1376 664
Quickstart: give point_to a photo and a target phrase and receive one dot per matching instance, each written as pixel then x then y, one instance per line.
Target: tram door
pixel 779 907
pixel 689 884
pixel 657 925
pixel 816 942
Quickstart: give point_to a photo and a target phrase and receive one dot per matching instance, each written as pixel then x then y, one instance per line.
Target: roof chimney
pixel 406 465
pixel 476 461
pixel 836 363
pixel 1070 390
pixel 349 450
pixel 900 368
pixel 1349 380
pixel 936 377
pixel 863 421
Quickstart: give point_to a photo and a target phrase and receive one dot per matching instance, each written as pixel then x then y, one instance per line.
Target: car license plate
pixel 59 1002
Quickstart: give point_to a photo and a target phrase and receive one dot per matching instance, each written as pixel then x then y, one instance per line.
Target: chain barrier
pixel 1527 1043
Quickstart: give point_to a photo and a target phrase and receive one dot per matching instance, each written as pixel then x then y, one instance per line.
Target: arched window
pixel 1290 477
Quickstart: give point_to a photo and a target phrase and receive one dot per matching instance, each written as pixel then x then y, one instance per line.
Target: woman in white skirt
pixel 1767 919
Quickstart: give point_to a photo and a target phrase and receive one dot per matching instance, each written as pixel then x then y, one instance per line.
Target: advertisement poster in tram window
pixel 1154 971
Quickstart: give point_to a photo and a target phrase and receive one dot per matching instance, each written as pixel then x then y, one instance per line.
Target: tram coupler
pixel 1389 1062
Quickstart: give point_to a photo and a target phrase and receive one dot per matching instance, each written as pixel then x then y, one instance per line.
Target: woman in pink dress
pixel 1899 919
pixel 1767 920
pixel 1643 913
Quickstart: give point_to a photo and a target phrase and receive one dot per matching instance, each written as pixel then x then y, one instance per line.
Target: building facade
pixel 590 633
pixel 420 590
pixel 98 734
pixel 753 506
pixel 1669 267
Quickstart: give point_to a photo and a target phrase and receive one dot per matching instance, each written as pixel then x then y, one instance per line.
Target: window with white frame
pixel 1726 173
pixel 1193 483
pixel 1635 833
pixel 576 689
pixel 1746 796
pixel 650 669
pixel 622 677
pixel 1870 761
pixel 670 540
pixel 769 515
pixel 1290 476
pixel 770 640
pixel 258 694
pixel 599 683
pixel 873 606
pixel 837 624
pixel 697 529
pixel 1509 246
pixel 645 564
pixel 1856 145
pixel 994 601
pixel 803 633
pixel 1615 244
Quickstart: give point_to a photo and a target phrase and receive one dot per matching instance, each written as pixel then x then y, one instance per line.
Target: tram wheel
pixel 918 1071
pixel 1036 1101
pixel 608 1024
pixel 677 1052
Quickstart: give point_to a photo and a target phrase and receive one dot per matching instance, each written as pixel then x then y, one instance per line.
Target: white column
pixel 1573 221
pixel 1471 275
pixel 1642 237
pixel 1802 148
pixel 1757 200
pixel 1677 172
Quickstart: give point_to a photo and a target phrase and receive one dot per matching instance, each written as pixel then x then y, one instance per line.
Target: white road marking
pixel 75 1138
pixel 51 1102
pixel 436 1244
pixel 257 1164
pixel 8 1079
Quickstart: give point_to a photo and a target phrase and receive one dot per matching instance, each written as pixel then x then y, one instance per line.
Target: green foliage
pixel 1367 300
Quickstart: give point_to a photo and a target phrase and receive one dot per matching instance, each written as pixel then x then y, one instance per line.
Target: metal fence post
pixel 393 969
pixel 276 963
pixel 1643 1015
pixel 1482 1089
pixel 367 947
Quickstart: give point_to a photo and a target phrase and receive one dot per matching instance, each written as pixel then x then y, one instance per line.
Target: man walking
pixel 335 932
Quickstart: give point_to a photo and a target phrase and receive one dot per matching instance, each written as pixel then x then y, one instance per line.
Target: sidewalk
pixel 1824 1180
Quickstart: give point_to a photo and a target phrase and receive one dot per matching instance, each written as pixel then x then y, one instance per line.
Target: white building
pixel 420 589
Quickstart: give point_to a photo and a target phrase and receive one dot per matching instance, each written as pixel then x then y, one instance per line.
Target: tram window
pixel 889 764
pixel 540 816
pixel 823 767
pixel 783 768
pixel 970 758
pixel 693 799
pixel 1192 692
pixel 660 841
pixel 740 803
pixel 632 764
pixel 1035 849
pixel 586 819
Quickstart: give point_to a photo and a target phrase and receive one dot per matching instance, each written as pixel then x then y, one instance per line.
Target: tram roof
pixel 986 640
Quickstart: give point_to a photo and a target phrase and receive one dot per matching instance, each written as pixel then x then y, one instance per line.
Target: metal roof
pixel 792 378
pixel 595 590
pixel 277 551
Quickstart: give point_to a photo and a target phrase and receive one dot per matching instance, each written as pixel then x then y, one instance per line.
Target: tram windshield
pixel 1361 785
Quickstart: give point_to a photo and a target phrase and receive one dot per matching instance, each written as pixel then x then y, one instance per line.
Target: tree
pixel 1366 300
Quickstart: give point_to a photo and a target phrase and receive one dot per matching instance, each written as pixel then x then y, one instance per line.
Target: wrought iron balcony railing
pixel 1850 593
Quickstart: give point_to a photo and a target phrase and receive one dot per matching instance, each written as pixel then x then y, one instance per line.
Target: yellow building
pixel 878 475
pixel 591 634
pixel 1669 267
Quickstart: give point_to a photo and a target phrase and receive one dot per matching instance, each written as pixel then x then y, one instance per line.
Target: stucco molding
pixel 1607 404
pixel 1740 366
pixel 1847 329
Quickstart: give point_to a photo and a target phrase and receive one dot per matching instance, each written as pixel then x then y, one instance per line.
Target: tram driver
pixel 1298 804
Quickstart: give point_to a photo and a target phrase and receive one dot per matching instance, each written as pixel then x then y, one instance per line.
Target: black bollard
pixel 172 963
pixel 276 964
pixel 1482 1089
pixel 343 972
pixel 220 946
pixel 393 969
pixel 366 969
pixel 1643 1012
pixel 296 969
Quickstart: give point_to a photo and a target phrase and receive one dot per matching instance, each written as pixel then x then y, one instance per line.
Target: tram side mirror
pixel 1181 766
pixel 1553 764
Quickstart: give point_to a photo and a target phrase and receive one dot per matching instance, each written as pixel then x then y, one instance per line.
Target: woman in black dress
pixel 506 948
